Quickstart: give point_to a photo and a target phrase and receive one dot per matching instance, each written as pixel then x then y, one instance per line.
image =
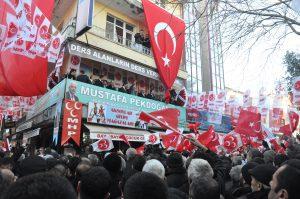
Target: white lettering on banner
pixel 104 57
pixel 72 126
pixel 81 49
pixel 119 98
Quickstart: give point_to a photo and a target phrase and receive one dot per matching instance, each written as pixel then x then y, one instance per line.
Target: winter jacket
pixel 177 178
pixel 262 194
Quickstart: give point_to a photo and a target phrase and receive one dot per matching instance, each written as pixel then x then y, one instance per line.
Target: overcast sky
pixel 261 68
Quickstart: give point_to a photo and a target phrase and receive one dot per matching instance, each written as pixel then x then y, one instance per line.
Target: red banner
pixel 71 122
pixel 167 40
pixel 19 74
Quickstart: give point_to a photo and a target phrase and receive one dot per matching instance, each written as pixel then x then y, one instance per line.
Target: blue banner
pixel 221 123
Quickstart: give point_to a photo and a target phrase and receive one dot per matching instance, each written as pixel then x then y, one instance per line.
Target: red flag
pixel 249 123
pixel 194 127
pixel 214 142
pixel 170 139
pixel 124 138
pixel 232 141
pixel 276 146
pixel 71 122
pixel 166 118
pixel 24 76
pixel 288 129
pixel 140 150
pixel 167 40
pixel 254 142
pixel 245 139
pixel 185 144
pixel 206 137
pixel 6 145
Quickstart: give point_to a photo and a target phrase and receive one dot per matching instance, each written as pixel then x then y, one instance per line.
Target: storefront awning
pixel 97 132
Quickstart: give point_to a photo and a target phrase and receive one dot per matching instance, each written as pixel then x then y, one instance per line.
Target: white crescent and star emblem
pixel 160 27
pixel 252 125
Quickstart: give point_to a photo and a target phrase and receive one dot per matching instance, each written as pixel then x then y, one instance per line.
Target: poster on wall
pixel 56 122
pixel 220 122
pixel 104 113
pixel 276 119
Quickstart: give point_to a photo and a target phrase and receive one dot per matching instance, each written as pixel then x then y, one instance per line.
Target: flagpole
pixel 193 141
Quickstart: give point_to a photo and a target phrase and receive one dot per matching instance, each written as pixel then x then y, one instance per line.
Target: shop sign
pixel 47 100
pixel 86 93
pixel 134 138
pixel 24 126
pixel 84 19
pixel 31 134
pixel 89 52
pixel 102 113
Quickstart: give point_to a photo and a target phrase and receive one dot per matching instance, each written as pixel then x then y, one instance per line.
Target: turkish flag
pixel 193 126
pixel 288 129
pixel 165 118
pixel 245 139
pixel 254 142
pixel 170 139
pixel 104 144
pixel 185 144
pixel 166 33
pixel 276 146
pixel 22 75
pixel 214 142
pixel 206 137
pixel 124 138
pixel 71 122
pixel 249 123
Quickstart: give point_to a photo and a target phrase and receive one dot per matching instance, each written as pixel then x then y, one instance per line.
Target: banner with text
pixel 86 93
pixel 104 113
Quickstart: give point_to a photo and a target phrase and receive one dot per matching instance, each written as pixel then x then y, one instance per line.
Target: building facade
pixel 109 52
pixel 204 60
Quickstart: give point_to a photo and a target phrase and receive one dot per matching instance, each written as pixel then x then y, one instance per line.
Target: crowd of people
pixel 129 88
pixel 155 174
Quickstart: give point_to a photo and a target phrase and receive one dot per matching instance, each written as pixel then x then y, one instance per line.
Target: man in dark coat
pixel 122 89
pixel 176 173
pixel 83 78
pixel 150 95
pixel 261 177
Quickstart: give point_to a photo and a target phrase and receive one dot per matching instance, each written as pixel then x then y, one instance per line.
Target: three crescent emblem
pixel 72 109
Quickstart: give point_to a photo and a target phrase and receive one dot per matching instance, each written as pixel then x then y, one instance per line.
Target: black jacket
pixel 115 191
pixel 84 78
pixel 177 178
pixel 98 82
pixel 262 194
pixel 122 89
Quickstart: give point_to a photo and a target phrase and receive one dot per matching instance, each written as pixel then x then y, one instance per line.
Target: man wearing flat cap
pixel 261 176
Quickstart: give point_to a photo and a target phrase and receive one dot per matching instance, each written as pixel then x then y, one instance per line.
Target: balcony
pixel 97 31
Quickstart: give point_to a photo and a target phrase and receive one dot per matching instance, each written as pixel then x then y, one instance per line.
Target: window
pixel 119 31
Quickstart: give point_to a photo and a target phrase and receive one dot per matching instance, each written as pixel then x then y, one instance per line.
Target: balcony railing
pixel 120 40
